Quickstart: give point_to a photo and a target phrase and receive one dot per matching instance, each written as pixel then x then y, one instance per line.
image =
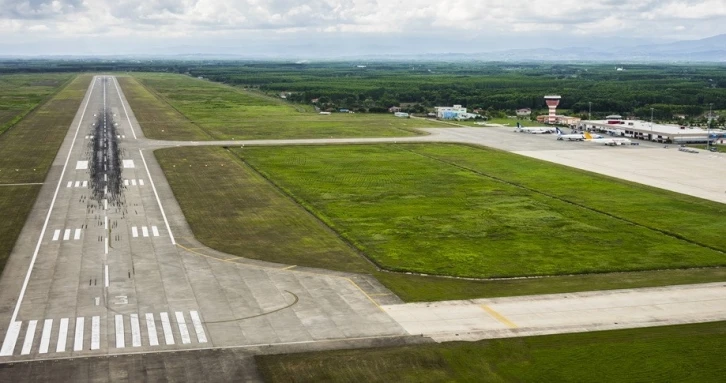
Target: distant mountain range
pixel 711 49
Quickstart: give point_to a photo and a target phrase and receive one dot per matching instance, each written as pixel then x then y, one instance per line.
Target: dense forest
pixel 418 86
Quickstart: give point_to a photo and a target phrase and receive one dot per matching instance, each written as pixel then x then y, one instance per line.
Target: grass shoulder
pixel 27 151
pixel 685 353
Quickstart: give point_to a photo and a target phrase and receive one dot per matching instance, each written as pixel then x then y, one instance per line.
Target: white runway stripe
pixel 198 328
pixel 135 331
pixel 155 231
pixel 145 231
pixel 78 338
pixel 166 326
pixel 183 331
pixel 29 336
pixel 96 333
pixel 70 183
pixel 134 232
pixel 62 335
pixel 11 337
pixel 120 342
pixel 85 184
pixel 77 234
pixel 133 182
pixel 141 182
pixel 67 235
pixel 151 328
pixel 126 182
pixel 56 235
pixel 78 183
pixel 45 336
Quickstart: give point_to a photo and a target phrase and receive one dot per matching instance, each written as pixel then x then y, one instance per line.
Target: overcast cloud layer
pixel 264 26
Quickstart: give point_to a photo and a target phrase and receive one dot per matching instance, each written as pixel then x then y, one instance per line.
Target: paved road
pixel 99 272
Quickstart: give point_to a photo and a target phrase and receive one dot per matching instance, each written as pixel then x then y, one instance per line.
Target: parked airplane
pixel 611 141
pixel 569 137
pixel 538 130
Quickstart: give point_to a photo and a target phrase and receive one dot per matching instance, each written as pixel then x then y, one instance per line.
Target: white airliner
pixel 538 130
pixel 611 141
pixel 569 137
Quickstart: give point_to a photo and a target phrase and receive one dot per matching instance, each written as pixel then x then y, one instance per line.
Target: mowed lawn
pixel 409 210
pixel 217 111
pixel 20 93
pixel 27 151
pixel 686 353
pixel 233 209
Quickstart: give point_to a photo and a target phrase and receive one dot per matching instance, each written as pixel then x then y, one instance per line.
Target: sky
pixel 305 28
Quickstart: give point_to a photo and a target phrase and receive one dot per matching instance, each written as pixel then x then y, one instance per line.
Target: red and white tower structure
pixel 552 102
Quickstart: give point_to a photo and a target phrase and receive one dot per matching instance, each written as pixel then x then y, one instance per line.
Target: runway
pixel 107 265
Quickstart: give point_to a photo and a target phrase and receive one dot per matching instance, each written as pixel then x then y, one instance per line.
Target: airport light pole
pixel 589 111
pixel 651 124
pixel 708 126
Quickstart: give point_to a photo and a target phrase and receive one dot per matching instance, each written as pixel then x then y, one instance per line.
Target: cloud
pixel 647 19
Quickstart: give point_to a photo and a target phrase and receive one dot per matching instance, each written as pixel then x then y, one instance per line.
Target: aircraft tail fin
pixel 588 136
pixel 559 132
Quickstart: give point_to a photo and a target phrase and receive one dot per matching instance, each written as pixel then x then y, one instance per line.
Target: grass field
pixel 248 217
pixel 414 208
pixel 20 93
pixel 27 151
pixel 686 353
pixel 267 225
pixel 218 111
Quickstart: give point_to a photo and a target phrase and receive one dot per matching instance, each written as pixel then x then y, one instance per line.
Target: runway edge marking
pixel 9 335
pixel 118 90
pixel 153 187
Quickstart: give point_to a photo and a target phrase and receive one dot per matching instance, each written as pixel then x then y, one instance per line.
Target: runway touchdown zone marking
pixel 77 233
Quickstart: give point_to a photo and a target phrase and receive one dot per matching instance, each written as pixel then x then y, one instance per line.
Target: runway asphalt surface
pixel 107 265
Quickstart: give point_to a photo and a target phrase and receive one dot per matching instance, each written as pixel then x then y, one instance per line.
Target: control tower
pixel 552 102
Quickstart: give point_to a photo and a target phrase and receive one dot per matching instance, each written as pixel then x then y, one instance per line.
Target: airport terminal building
pixel 644 130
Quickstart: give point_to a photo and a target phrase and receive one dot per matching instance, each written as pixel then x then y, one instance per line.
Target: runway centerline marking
pixel 47 217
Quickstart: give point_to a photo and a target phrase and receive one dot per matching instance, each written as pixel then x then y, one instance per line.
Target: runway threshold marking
pixel 62 335
pixel 499 317
pixel 11 336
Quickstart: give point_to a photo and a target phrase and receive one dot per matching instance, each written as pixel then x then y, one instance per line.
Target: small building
pixel 343 110
pixel 394 109
pixel 401 114
pixel 679 116
pixel 524 112
pixel 449 112
pixel 558 119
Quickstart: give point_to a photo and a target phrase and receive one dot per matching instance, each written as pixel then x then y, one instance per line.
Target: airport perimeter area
pixel 104 274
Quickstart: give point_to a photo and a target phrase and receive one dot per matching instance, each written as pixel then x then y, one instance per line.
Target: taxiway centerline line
pixel 50 210
pixel 153 187
pixel 115 83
